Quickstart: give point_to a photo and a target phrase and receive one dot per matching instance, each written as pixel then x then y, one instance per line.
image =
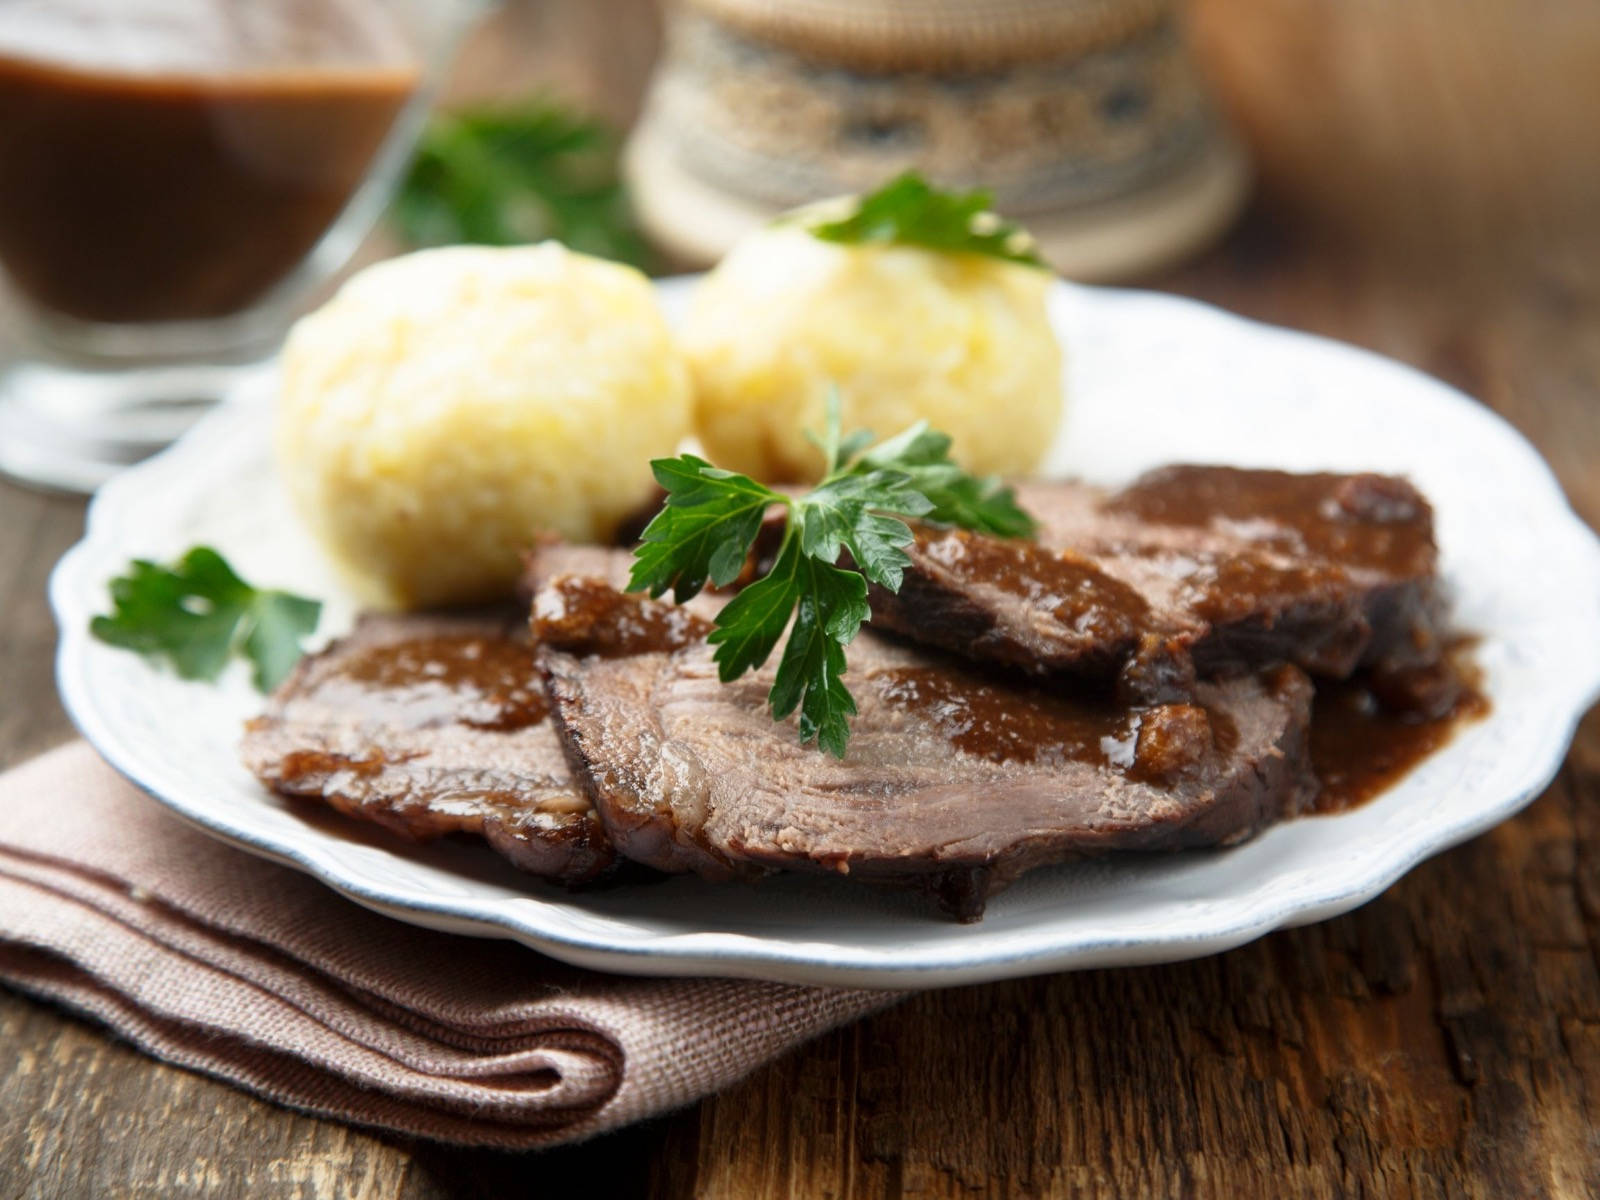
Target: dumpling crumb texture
pixel 906 334
pixel 448 406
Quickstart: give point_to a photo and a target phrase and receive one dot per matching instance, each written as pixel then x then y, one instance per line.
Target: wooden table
pixel 1430 184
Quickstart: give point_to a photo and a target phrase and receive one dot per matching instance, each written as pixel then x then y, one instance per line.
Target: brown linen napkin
pixel 256 974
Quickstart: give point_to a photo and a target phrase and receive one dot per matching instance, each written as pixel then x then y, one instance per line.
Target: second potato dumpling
pixel 905 333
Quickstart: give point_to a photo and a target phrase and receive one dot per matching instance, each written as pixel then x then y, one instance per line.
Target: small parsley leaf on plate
pixel 197 614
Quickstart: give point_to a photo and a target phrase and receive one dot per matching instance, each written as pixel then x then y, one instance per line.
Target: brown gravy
pixel 1017 722
pixel 1359 748
pixel 1076 593
pixel 174 161
pixel 1222 588
pixel 463 679
pixel 1010 722
pixel 588 616
pixel 1354 520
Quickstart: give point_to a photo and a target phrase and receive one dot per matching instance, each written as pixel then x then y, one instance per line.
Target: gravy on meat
pixel 1373 521
pixel 612 736
pixel 485 681
pixel 1189 573
pixel 428 725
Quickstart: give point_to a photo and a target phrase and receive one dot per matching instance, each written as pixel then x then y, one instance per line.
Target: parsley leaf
pixel 956 498
pixel 908 211
pixel 749 627
pixel 848 512
pixel 832 604
pixel 502 176
pixel 710 522
pixel 705 531
pixel 198 614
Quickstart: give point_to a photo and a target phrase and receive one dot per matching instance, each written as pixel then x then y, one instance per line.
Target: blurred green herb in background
pixel 513 174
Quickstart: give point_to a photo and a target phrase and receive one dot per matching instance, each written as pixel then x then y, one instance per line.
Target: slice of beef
pixel 591 607
pixel 954 781
pixel 1191 572
pixel 430 725
pixel 550 556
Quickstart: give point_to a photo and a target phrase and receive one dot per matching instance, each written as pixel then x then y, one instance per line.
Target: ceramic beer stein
pixel 1085 118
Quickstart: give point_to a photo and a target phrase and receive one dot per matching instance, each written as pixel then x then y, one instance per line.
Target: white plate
pixel 1151 379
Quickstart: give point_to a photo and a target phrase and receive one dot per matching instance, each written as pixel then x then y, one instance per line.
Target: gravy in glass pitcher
pixel 171 160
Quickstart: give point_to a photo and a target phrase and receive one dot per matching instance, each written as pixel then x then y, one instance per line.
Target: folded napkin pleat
pixel 362 1017
pixel 253 973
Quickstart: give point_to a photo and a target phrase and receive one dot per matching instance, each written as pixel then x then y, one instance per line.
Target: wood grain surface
pixel 1430 187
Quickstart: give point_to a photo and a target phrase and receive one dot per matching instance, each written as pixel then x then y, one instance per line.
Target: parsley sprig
pixel 198 614
pixel 710 521
pixel 505 175
pixel 909 211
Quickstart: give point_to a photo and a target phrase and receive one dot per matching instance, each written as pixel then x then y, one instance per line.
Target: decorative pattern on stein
pixel 1087 118
pixel 1043 134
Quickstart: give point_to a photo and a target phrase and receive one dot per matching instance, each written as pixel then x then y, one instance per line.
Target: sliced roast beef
pixel 430 725
pixel 954 781
pixel 1191 572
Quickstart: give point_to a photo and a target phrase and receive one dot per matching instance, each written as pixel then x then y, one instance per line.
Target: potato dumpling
pixel 960 340
pixel 447 406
